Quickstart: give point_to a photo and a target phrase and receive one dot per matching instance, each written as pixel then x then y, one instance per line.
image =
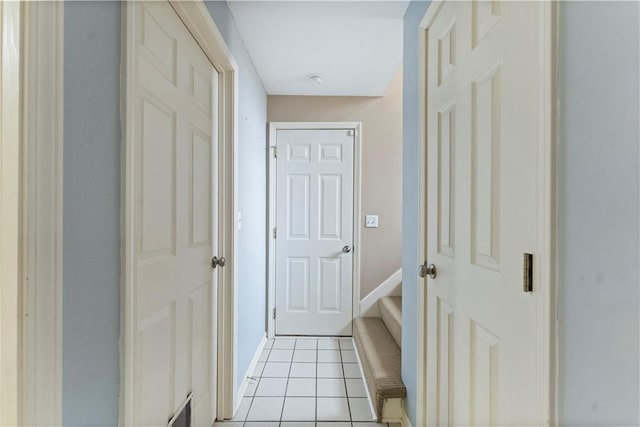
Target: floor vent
pixel 182 418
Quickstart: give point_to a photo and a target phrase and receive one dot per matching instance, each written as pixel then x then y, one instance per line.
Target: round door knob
pixel 427 270
pixel 346 249
pixel 218 262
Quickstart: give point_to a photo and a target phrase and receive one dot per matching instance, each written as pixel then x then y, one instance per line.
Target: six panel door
pixel 484 128
pixel 314 224
pixel 175 184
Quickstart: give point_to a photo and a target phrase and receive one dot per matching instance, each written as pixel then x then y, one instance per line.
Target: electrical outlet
pixel 371 221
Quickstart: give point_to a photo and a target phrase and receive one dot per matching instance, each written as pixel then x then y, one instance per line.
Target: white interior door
pixel 314 211
pixel 175 221
pixel 484 128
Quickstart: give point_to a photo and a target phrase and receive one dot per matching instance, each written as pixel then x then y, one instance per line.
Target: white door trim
pixel 11 195
pixel 547 265
pixel 44 106
pixel 31 263
pixel 200 24
pixel 357 220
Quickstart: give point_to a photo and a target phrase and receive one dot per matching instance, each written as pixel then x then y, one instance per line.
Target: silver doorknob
pixel 346 249
pixel 427 270
pixel 218 262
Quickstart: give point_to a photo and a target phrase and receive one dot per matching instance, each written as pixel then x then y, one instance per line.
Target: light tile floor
pixel 306 382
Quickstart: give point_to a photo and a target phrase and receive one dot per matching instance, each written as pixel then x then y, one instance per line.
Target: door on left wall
pixel 174 221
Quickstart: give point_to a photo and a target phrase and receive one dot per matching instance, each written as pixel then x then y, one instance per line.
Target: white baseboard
pixel 391 286
pixel 252 366
pixel 404 421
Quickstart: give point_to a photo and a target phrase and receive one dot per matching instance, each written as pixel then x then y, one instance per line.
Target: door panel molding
pixel 546 268
pixel 328 154
pixel 198 21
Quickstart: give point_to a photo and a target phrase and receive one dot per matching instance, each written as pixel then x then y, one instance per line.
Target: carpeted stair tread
pixel 380 357
pixel 391 314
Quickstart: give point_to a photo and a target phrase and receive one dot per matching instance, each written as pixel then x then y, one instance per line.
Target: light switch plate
pixel 371 221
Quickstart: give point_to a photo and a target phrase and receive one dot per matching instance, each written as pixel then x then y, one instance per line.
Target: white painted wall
pixel 599 217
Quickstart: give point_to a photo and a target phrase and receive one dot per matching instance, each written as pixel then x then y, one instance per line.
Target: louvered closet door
pixel 314 224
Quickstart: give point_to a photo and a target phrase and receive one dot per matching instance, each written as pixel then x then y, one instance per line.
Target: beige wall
pixel 381 166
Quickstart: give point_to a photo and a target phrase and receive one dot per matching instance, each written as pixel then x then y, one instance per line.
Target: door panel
pixel 174 186
pixel 483 130
pixel 314 186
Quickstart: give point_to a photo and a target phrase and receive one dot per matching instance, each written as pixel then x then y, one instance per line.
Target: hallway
pixel 304 382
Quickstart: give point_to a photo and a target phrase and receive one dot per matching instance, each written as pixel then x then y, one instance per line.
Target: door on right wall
pixel 484 127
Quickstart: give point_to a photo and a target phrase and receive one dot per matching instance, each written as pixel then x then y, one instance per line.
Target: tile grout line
pixel 286 387
pixel 315 421
pixel 344 380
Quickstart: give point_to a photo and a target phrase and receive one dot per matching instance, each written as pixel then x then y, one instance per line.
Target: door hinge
pixel 274 313
pixel 275 152
pixel 527 273
pixel 275 232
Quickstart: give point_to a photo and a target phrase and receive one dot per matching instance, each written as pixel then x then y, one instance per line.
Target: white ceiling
pixel 356 46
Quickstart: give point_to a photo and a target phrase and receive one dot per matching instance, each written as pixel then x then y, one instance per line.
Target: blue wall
pixel 91 270
pixel 410 199
pixel 599 87
pixel 252 172
pixel 91 306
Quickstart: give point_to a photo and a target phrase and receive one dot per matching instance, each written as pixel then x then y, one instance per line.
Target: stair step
pixel 391 314
pixel 381 361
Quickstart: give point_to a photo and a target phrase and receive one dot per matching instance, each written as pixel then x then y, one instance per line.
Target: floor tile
pixel 280 355
pixel 251 387
pixel 297 424
pixel 331 387
pixel 331 356
pixel 268 343
pixel 348 356
pixel 303 370
pixel 301 387
pixel 257 371
pixel 355 387
pixel 276 370
pixel 264 355
pixel 346 343
pixel 338 424
pixel 265 409
pixel 243 409
pixel 304 356
pixel 330 370
pixel 284 343
pixel 327 344
pixel 332 409
pixel 228 424
pixel 306 344
pixel 272 387
pixel 299 409
pixel 262 424
pixel 360 410
pixel 351 370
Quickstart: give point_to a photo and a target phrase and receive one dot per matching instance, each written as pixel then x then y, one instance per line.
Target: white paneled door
pixel 175 221
pixel 484 127
pixel 314 231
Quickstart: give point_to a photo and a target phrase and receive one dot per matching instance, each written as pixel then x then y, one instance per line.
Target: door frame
pixel 274 127
pixel 198 21
pixel 31 176
pixel 547 213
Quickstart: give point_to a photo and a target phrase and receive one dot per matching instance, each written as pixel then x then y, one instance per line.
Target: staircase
pixel 379 341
